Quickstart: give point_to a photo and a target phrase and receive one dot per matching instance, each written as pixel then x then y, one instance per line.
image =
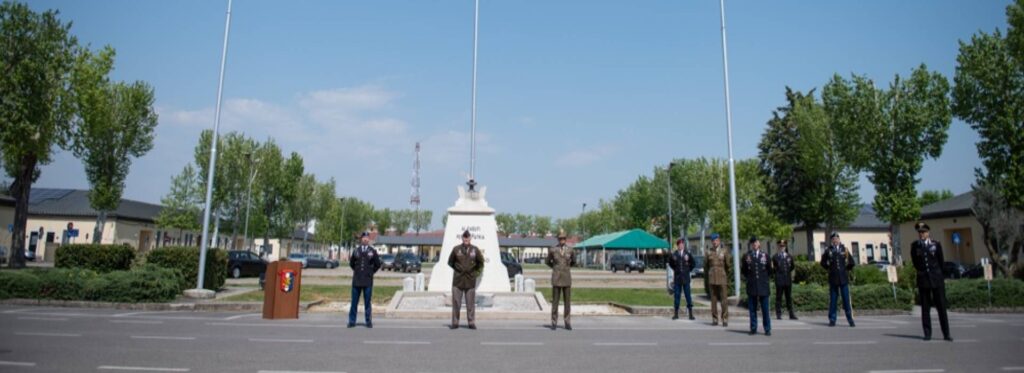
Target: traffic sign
pixel 988 271
pixel 73 233
pixel 956 238
pixel 891 271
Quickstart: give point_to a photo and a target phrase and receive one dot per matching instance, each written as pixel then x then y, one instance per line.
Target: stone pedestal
pixel 471 213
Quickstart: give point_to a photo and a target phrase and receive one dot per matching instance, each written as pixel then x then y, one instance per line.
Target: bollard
pixel 530 285
pixel 420 282
pixel 519 283
pixel 407 284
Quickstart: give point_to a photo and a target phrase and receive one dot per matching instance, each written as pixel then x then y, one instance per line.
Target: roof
pixel 422 240
pixel 865 220
pixel 631 239
pixel 75 202
pixel 6 200
pixel 961 205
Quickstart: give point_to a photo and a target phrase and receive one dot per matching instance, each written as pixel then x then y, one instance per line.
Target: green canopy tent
pixel 634 239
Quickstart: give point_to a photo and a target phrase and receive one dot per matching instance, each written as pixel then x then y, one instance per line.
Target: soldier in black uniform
pixel 782 265
pixel 838 262
pixel 682 263
pixel 931 286
pixel 365 263
pixel 757 269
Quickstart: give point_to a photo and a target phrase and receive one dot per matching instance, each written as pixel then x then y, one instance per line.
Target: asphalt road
pixel 92 340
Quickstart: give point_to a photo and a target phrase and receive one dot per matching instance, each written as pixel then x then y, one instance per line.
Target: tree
pixel 422 220
pixel 384 220
pixel 276 187
pixel 542 225
pixel 36 110
pixel 302 209
pixel 403 220
pixel 115 122
pixel 931 196
pixel 506 224
pixel 752 206
pixel 182 204
pixel 989 96
pixel 1002 226
pixel 889 133
pixel 524 224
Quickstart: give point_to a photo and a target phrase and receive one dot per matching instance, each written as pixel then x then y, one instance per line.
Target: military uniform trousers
pixel 934 297
pixel 470 297
pixel 719 298
pixel 753 302
pixel 566 292
pixel 781 290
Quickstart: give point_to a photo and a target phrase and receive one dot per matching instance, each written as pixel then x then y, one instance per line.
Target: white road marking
pixel 292 371
pixel 875 327
pixel 129 314
pixel 635 344
pixel 908 371
pixel 20 310
pixel 883 320
pixel 1012 369
pixel 31 334
pixel 17 364
pixel 142 369
pixel 165 338
pixel 512 343
pixel 236 317
pixel 280 340
pixel 277 325
pixel 136 321
pixel 846 343
pixel 791 327
pixel 965 341
pixel 42 318
pixel 396 342
pixel 739 343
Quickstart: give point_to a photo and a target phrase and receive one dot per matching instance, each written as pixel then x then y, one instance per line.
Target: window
pixel 49 237
pixel 871 251
pixel 856 251
pixel 885 251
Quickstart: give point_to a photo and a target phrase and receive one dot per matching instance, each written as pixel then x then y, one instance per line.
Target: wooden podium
pixel 282 290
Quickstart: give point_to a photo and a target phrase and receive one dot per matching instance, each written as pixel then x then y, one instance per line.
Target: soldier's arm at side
pixel 352 260
pixel 849 259
pixel 939 255
pixel 479 262
pixel 672 262
pixel 376 262
pixel 824 259
pixel 451 259
pixel 550 259
pixel 572 258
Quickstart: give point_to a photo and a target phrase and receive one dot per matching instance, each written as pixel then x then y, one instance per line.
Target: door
pixel 960 246
pixel 145 240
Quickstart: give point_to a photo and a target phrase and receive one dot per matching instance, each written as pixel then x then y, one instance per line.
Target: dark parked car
pixel 511 264
pixel 883 265
pixel 318 261
pixel 953 270
pixel 299 257
pixel 387 262
pixel 626 262
pixel 407 262
pixel 533 260
pixel 974 271
pixel 698 270
pixel 243 263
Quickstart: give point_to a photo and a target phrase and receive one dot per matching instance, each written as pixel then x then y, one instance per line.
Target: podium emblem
pixel 287 280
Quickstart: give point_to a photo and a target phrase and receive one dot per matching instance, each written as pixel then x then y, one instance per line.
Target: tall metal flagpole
pixel 213 153
pixel 472 131
pixel 732 163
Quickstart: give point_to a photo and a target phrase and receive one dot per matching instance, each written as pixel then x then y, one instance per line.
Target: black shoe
pixel 568 327
pixel 471 326
pixel 767 333
pixel 927 338
pixel 725 324
pixel 691 316
pixel 852 325
pixel 831 324
pixel 553 326
pixel 778 316
pixel 453 326
pixel 369 324
pixel 792 317
pixel 675 317
pixel 948 338
pixel 752 332
pixel 351 325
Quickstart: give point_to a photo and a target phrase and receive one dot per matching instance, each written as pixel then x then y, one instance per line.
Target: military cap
pixel 561 234
pixel 714 236
pixel 364 234
pixel 834 234
pixel 782 243
pixel 922 227
pixel 752 239
pixel 465 234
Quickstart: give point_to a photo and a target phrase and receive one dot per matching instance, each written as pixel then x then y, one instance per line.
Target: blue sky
pixel 575 98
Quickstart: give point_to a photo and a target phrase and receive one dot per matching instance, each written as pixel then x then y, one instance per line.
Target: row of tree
pixel 57 94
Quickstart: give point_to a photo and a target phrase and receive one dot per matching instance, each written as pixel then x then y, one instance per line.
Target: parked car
pixel 511 264
pixel 317 261
pixel 883 265
pixel 244 263
pixel 953 270
pixel 407 262
pixel 3 255
pixel 626 262
pixel 974 271
pixel 533 260
pixel 333 262
pixel 698 270
pixel 299 257
pixel 387 262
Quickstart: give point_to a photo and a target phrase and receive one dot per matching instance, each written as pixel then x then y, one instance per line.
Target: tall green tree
pixel 182 204
pixel 506 223
pixel 752 206
pixel 384 220
pixel 37 55
pixel 889 133
pixel 422 220
pixel 931 196
pixel 542 225
pixel 115 123
pixel 989 96
pixel 403 220
pixel 276 182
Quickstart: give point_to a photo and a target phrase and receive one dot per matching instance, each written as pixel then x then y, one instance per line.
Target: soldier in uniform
pixel 838 262
pixel 931 286
pixel 682 264
pixel 757 269
pixel 365 263
pixel 782 265
pixel 468 262
pixel 561 259
pixel 716 266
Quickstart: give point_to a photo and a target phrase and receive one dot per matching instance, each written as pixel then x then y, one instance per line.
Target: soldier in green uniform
pixel 468 262
pixel 716 267
pixel 561 259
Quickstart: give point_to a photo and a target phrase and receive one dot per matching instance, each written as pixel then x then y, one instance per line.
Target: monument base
pixel 489 306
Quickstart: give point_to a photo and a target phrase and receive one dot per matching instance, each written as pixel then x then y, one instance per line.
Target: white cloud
pixel 584 157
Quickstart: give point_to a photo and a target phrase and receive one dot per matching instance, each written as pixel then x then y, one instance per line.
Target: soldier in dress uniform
pixel 716 266
pixel 561 259
pixel 468 262
pixel 682 264
pixel 838 262
pixel 365 263
pixel 757 269
pixel 931 286
pixel 782 265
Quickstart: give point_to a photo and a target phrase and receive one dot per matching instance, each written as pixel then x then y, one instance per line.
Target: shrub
pixel 99 258
pixel 20 283
pixel 809 273
pixel 879 297
pixel 145 284
pixel 907 277
pixel 1019 272
pixel 63 284
pixel 868 274
pixel 186 261
pixel 973 293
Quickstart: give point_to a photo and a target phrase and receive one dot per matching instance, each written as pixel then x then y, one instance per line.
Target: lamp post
pixel 248 199
pixel 213 160
pixel 668 182
pixel 583 232
pixel 341 236
pixel 732 163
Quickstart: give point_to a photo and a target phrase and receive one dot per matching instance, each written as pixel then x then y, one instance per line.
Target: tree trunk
pixel 97 234
pixel 894 241
pixel 20 190
pixel 809 232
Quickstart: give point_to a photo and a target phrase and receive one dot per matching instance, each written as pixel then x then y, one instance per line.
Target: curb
pixel 737 311
pixel 195 307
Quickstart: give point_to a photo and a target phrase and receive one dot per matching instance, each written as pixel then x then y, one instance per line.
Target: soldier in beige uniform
pixel 716 269
pixel 561 259
pixel 468 262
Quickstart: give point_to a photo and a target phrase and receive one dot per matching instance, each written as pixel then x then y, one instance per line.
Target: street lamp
pixel 583 232
pixel 668 182
pixel 732 163
pixel 341 237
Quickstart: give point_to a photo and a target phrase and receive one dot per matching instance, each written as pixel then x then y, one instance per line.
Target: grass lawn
pixel 632 297
pixel 329 293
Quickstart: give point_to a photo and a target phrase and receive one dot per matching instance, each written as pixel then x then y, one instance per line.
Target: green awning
pixel 636 239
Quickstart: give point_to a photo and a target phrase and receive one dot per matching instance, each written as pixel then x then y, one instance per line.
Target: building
pixel 279 248
pixel 866 237
pixel 953 224
pixel 6 225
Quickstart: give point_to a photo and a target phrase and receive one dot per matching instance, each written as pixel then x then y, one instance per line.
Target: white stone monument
pixel 471 213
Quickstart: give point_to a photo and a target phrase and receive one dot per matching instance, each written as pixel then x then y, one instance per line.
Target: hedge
pixel 186 261
pixel 100 258
pixel 809 272
pixel 144 284
pixel 973 293
pixel 868 274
